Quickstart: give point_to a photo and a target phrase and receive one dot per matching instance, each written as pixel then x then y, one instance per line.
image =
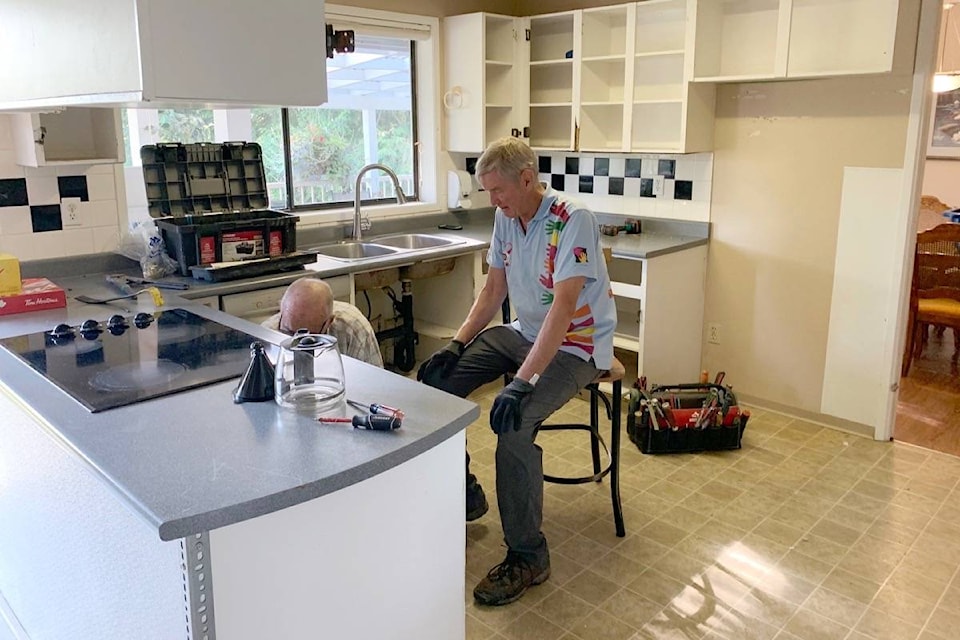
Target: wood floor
pixel 928 409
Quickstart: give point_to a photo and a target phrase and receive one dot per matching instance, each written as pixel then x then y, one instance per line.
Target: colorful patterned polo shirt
pixel 562 241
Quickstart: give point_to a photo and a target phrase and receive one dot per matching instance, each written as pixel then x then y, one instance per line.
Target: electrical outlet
pixel 713 333
pixel 658 184
pixel 70 212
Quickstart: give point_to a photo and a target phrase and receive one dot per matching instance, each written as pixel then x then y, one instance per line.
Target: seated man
pixel 545 252
pixel 308 304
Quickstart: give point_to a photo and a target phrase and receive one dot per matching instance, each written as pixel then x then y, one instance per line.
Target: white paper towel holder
pixel 459 188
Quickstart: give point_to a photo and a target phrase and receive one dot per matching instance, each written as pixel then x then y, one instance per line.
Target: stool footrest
pixel 596 477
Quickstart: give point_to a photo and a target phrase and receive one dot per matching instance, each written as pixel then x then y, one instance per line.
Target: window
pixel 312 156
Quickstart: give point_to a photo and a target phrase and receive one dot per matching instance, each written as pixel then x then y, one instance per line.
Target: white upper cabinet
pixel 77 135
pixel 605 77
pixel 227 52
pixel 485 69
pixel 767 39
pixel 554 79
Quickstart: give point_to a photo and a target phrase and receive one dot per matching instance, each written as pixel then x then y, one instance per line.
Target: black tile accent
pixel 667 168
pixel 632 168
pixel 13 192
pixel 683 190
pixel 646 188
pixel 572 166
pixel 615 187
pixel 556 181
pixel 601 166
pixel 586 184
pixel 46 218
pixel 472 165
pixel 545 163
pixel 73 187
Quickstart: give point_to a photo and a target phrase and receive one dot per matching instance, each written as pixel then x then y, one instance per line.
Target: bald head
pixel 306 304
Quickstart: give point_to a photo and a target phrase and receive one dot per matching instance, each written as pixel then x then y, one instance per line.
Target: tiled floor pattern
pixel 806 533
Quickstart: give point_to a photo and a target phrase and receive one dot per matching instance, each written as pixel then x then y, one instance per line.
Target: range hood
pixel 57 53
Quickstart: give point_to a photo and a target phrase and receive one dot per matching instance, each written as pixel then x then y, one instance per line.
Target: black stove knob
pixel 143 320
pixel 62 331
pixel 90 325
pixel 117 321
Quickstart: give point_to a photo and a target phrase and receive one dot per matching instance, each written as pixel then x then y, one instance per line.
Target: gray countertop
pixel 194 461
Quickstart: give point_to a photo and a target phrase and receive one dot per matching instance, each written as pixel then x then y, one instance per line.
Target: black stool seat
pixel 612 405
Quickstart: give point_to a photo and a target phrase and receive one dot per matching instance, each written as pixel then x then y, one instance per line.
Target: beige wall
pixel 780 150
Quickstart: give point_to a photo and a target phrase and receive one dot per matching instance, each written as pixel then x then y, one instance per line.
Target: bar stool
pixel 612 404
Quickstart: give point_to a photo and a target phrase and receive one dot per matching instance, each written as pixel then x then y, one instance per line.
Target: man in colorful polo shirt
pixel 545 253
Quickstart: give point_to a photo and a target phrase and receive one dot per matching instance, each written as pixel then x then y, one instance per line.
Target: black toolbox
pixel 210 201
pixel 683 418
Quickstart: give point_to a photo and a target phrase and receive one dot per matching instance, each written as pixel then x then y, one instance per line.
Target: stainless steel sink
pixel 412 241
pixel 354 250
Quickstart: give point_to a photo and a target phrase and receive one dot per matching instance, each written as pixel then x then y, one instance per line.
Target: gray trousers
pixel 519 460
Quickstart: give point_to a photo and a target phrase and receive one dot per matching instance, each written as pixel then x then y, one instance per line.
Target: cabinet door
pixel 839 37
pixel 604 71
pixel 483 83
pixel 554 79
pixel 76 135
pixel 769 39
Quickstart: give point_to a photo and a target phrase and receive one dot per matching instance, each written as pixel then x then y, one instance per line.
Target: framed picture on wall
pixel 945 126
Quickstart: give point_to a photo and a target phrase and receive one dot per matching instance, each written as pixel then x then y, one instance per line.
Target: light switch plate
pixel 70 212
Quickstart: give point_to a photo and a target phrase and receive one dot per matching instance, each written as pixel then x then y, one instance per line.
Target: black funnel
pixel 256 385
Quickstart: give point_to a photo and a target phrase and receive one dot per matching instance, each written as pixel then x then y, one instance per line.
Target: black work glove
pixel 508 407
pixel 441 364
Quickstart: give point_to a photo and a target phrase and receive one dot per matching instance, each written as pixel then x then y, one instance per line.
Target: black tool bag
pixel 682 418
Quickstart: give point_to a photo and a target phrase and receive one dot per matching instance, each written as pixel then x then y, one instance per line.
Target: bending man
pixel 308 304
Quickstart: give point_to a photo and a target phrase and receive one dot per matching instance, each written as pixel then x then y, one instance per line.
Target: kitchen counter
pixel 194 461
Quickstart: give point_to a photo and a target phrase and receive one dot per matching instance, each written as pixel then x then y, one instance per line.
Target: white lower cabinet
pixel 660 312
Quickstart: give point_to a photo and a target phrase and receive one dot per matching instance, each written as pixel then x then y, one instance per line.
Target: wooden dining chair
pixel 934 290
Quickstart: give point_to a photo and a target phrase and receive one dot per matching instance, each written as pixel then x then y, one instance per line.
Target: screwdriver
pixel 374 422
pixel 376 408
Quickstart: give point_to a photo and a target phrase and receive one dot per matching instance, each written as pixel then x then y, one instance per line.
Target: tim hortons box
pixel 37 294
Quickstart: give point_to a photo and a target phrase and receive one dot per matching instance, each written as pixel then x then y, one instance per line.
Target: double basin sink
pixel 352 250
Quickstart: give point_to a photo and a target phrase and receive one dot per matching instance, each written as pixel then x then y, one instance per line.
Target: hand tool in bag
pixel 373 422
pixel 124 283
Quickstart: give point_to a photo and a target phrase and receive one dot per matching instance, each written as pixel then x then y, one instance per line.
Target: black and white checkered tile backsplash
pixel 614 175
pixel 15 192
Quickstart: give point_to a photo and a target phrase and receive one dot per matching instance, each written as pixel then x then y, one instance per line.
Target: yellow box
pixel 9 275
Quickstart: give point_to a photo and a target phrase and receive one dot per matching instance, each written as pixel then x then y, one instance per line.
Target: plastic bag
pixel 145 244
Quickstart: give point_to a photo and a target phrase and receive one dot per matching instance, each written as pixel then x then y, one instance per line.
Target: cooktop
pixel 127 359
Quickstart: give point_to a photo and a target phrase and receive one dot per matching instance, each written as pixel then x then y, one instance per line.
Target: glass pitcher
pixel 309 373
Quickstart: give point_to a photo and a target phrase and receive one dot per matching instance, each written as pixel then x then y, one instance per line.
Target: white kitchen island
pixel 188 516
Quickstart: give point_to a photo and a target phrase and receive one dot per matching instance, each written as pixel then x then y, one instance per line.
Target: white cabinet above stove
pixel 110 52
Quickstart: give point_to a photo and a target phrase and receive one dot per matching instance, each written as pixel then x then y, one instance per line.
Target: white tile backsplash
pixel 101 187
pixel 15 220
pixel 100 217
pixel 42 189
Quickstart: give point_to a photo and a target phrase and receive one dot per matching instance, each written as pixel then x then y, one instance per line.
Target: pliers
pixel 125 283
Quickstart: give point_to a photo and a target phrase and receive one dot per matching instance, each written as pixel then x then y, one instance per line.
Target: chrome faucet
pixel 359 226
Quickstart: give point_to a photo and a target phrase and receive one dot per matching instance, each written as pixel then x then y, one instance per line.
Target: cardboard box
pixel 38 294
pixel 9 275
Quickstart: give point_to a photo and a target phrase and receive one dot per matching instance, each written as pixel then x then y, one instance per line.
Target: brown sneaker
pixel 509 580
